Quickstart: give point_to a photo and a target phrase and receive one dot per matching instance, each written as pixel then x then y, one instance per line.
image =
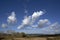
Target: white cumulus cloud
pixel 36 15
pixel 25 22
pixel 12 18
pixel 43 22
pixel 29 20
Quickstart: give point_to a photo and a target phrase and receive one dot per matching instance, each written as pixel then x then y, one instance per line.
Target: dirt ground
pixel 35 38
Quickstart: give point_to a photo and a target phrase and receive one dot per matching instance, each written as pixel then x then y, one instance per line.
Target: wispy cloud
pixel 53 28
pixel 4 25
pixel 26 11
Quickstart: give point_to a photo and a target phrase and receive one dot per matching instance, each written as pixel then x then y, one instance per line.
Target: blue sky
pixel 14 13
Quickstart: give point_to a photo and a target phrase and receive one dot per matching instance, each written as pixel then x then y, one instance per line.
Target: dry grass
pixel 34 38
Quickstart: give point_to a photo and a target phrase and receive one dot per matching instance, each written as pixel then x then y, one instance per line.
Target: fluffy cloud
pixel 25 22
pixel 12 18
pixel 29 20
pixel 43 22
pixel 36 15
pixel 4 25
